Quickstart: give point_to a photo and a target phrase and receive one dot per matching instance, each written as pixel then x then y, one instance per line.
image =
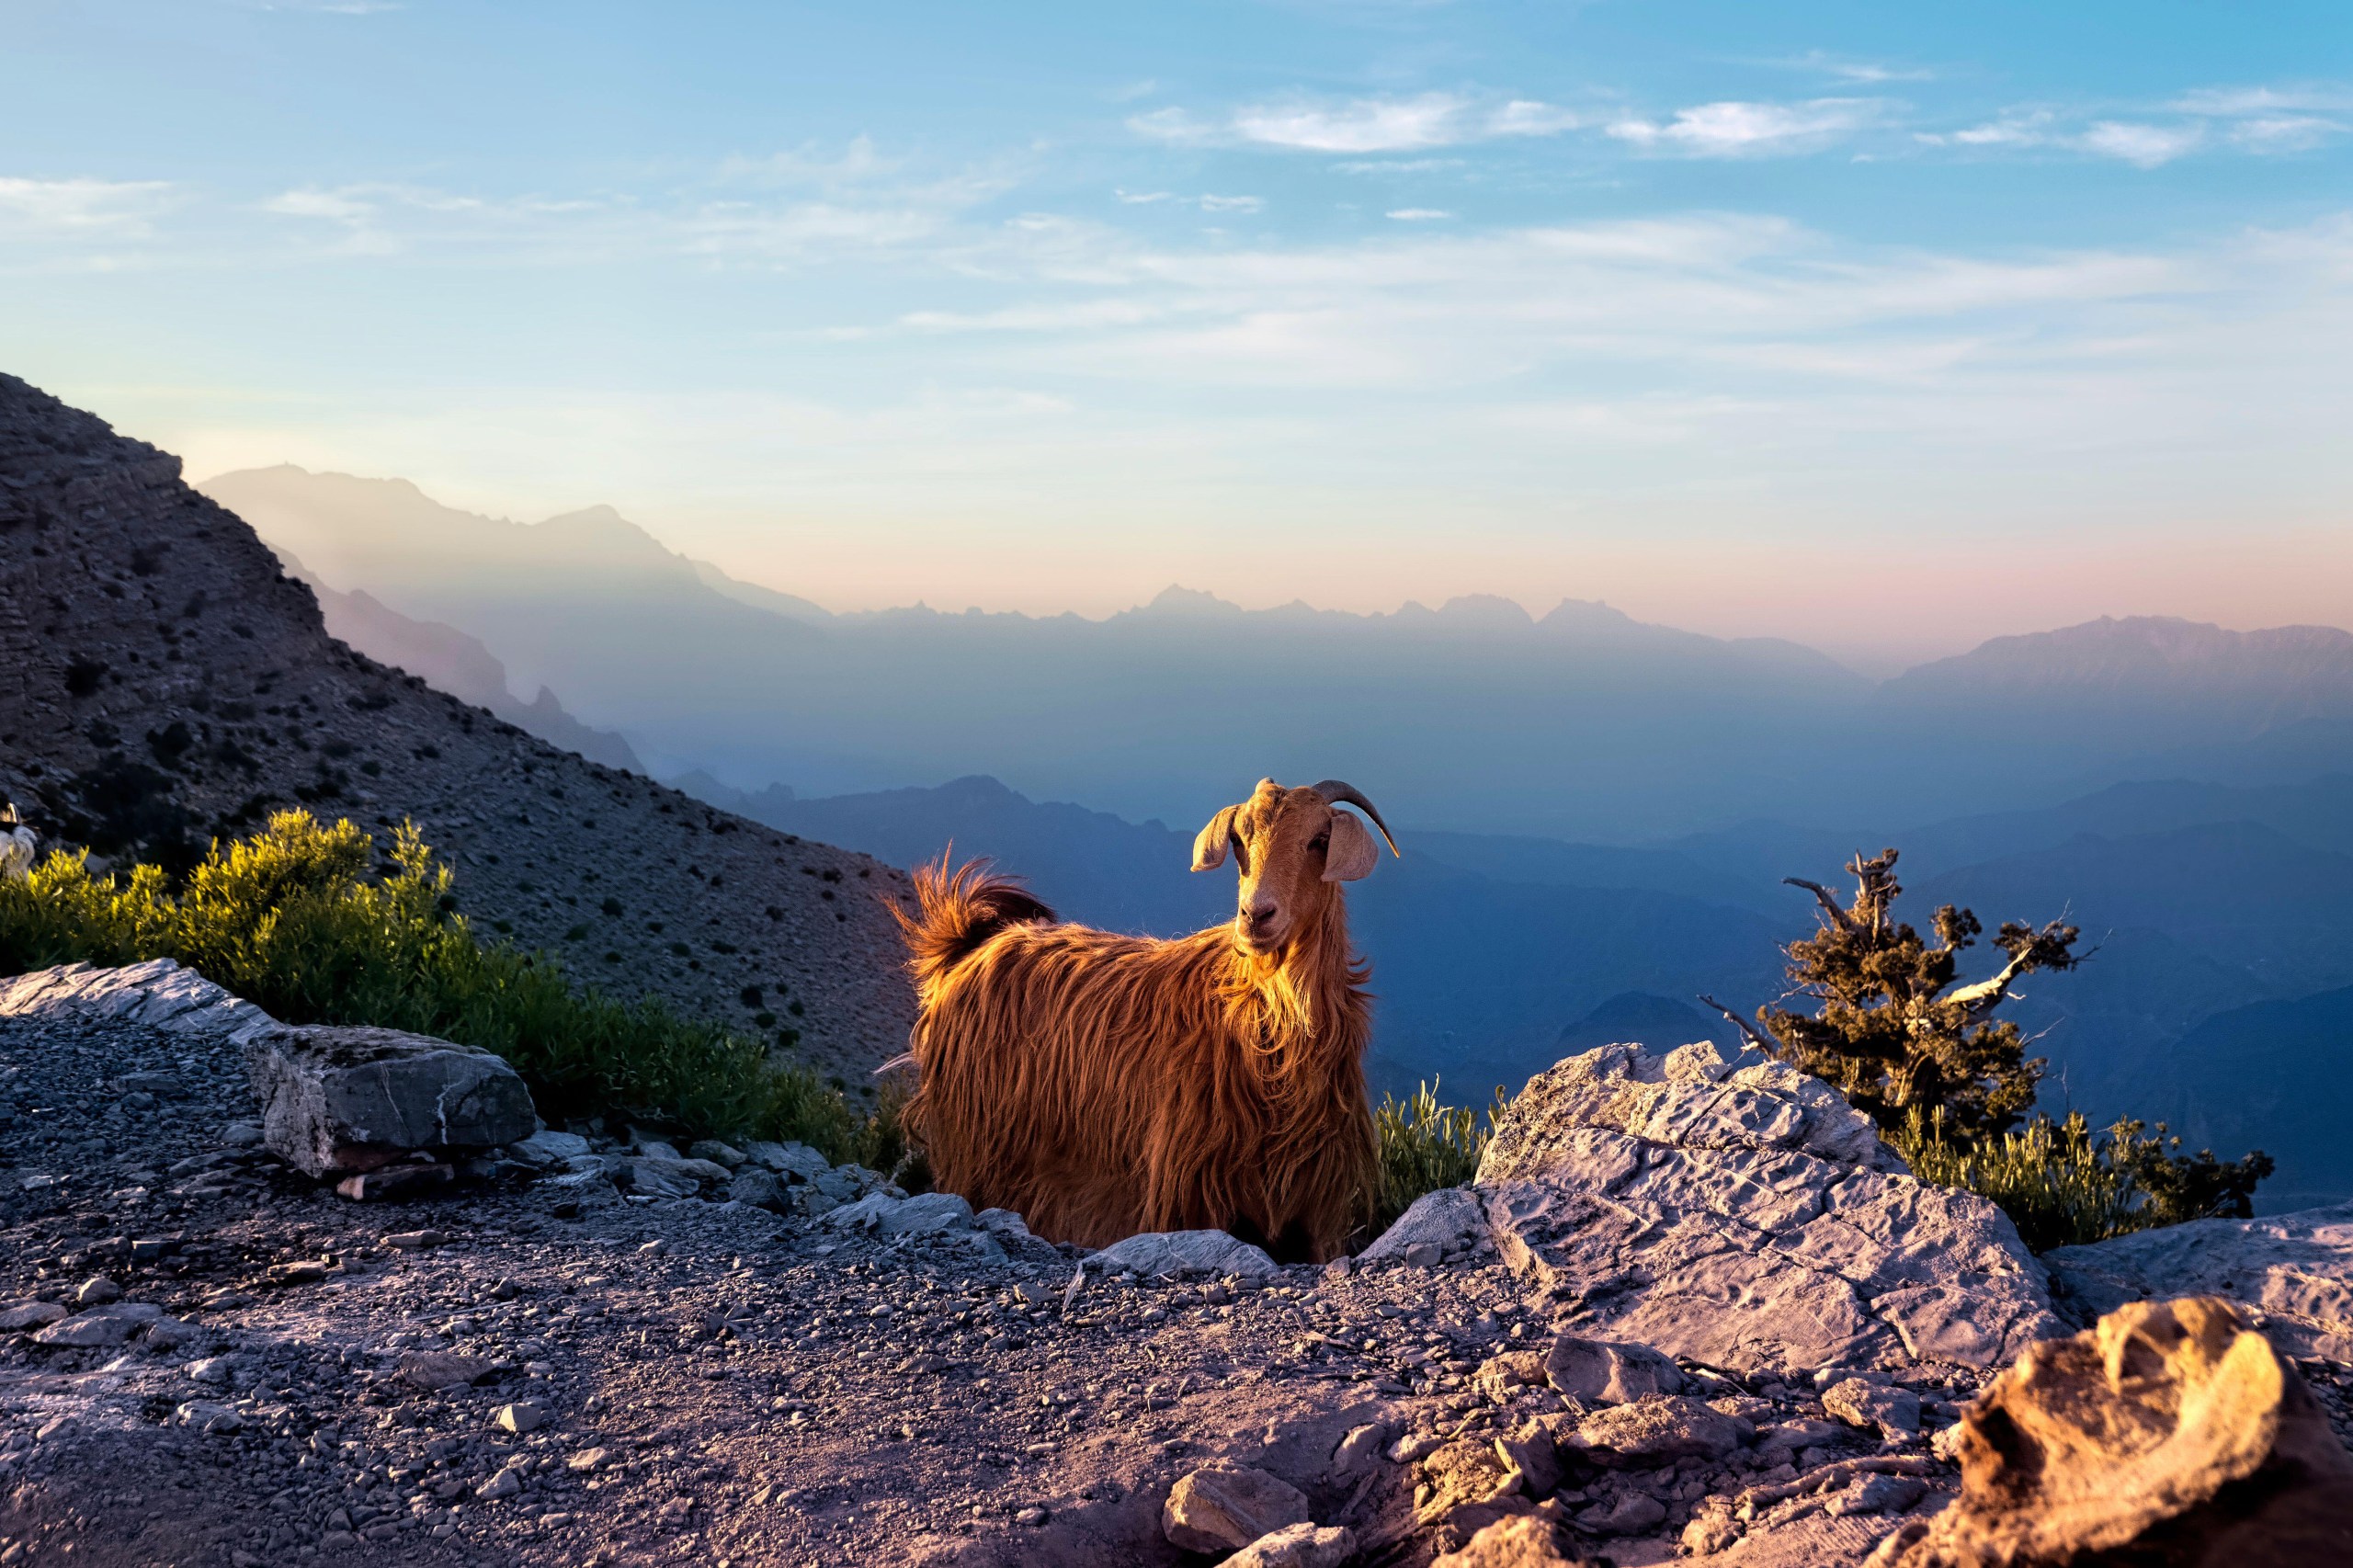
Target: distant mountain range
pixel 1581 725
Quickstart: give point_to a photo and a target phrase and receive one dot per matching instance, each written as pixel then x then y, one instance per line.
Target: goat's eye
pixel 1241 850
pixel 1321 841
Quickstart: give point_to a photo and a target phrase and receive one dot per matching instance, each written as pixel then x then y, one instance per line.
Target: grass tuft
pixel 2063 1185
pixel 1426 1144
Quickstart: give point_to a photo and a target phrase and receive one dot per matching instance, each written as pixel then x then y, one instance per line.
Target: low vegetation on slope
pixel 304 920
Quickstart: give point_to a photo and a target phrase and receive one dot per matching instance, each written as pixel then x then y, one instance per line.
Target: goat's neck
pixel 1304 1008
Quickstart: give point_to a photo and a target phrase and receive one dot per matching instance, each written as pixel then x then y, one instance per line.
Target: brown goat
pixel 1101 1085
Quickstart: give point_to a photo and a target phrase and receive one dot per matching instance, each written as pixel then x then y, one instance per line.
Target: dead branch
pixel 1743 1025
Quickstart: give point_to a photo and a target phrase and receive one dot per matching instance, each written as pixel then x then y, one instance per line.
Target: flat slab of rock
pixel 339 1101
pixel 1185 1252
pixel 116 1322
pixel 1743 1215
pixel 2296 1268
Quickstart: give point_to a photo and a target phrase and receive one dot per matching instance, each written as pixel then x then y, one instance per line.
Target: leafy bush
pixel 1425 1145
pixel 2063 1185
pixel 292 920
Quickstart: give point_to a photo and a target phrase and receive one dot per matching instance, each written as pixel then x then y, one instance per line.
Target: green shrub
pixel 1425 1145
pixel 292 920
pixel 2063 1185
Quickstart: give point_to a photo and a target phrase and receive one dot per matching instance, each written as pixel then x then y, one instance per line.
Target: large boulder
pixel 337 1101
pixel 1739 1212
pixel 2170 1432
pixel 2296 1270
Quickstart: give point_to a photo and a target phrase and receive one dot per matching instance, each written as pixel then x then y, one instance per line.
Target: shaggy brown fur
pixel 1101 1085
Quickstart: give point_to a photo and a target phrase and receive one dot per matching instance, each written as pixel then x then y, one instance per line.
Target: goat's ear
pixel 1351 853
pixel 1209 844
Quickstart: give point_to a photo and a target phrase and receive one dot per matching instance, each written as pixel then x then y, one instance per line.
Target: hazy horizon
pixel 1874 660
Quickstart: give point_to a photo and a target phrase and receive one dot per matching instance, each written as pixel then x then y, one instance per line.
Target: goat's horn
pixel 1336 793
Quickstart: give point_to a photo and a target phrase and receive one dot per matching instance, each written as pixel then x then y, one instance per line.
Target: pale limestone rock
pixel 1598 1371
pixel 1298 1546
pixel 1222 1508
pixel 2296 1270
pixel 1183 1252
pixel 1522 1541
pixel 1450 1218
pixel 1747 1217
pixel 1656 1430
pixel 1892 1411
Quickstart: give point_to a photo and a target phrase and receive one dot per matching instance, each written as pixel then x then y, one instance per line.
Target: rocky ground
pixel 210 1359
pixel 162 683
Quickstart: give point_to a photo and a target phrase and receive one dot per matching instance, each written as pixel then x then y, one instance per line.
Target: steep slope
pixel 163 681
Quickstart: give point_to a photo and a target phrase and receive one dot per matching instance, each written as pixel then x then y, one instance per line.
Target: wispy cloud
pixel 83 208
pixel 1365 125
pixel 2261 121
pixel 1420 214
pixel 1732 129
pixel 2143 145
pixel 1844 68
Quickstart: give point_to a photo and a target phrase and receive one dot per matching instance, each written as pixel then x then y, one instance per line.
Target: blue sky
pixel 2019 313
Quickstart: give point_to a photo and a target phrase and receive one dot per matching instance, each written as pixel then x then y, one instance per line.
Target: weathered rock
pixel 1655 1430
pixel 760 1188
pixel 652 1175
pixel 545 1148
pixel 1892 1411
pixel 336 1101
pixel 924 1214
pixel 1601 1371
pixel 1629 1513
pixel 1447 1220
pixel 1522 1541
pixel 18 1316
pixel 1740 1213
pixel 443 1368
pixel 96 1291
pixel 716 1152
pixel 1183 1252
pixel 522 1416
pixel 397 1184
pixel 796 1160
pixel 1531 1455
pixel 1298 1546
pixel 1222 1508
pixel 2169 1427
pixel 1875 1494
pixel 116 1322
pixel 2297 1269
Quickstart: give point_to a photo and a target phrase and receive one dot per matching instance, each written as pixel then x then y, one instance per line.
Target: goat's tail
pixel 956 911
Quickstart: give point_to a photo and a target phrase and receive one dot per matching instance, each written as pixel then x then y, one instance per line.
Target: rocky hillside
pixel 162 682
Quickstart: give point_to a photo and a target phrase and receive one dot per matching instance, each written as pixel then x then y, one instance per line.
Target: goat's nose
pixel 1260 912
